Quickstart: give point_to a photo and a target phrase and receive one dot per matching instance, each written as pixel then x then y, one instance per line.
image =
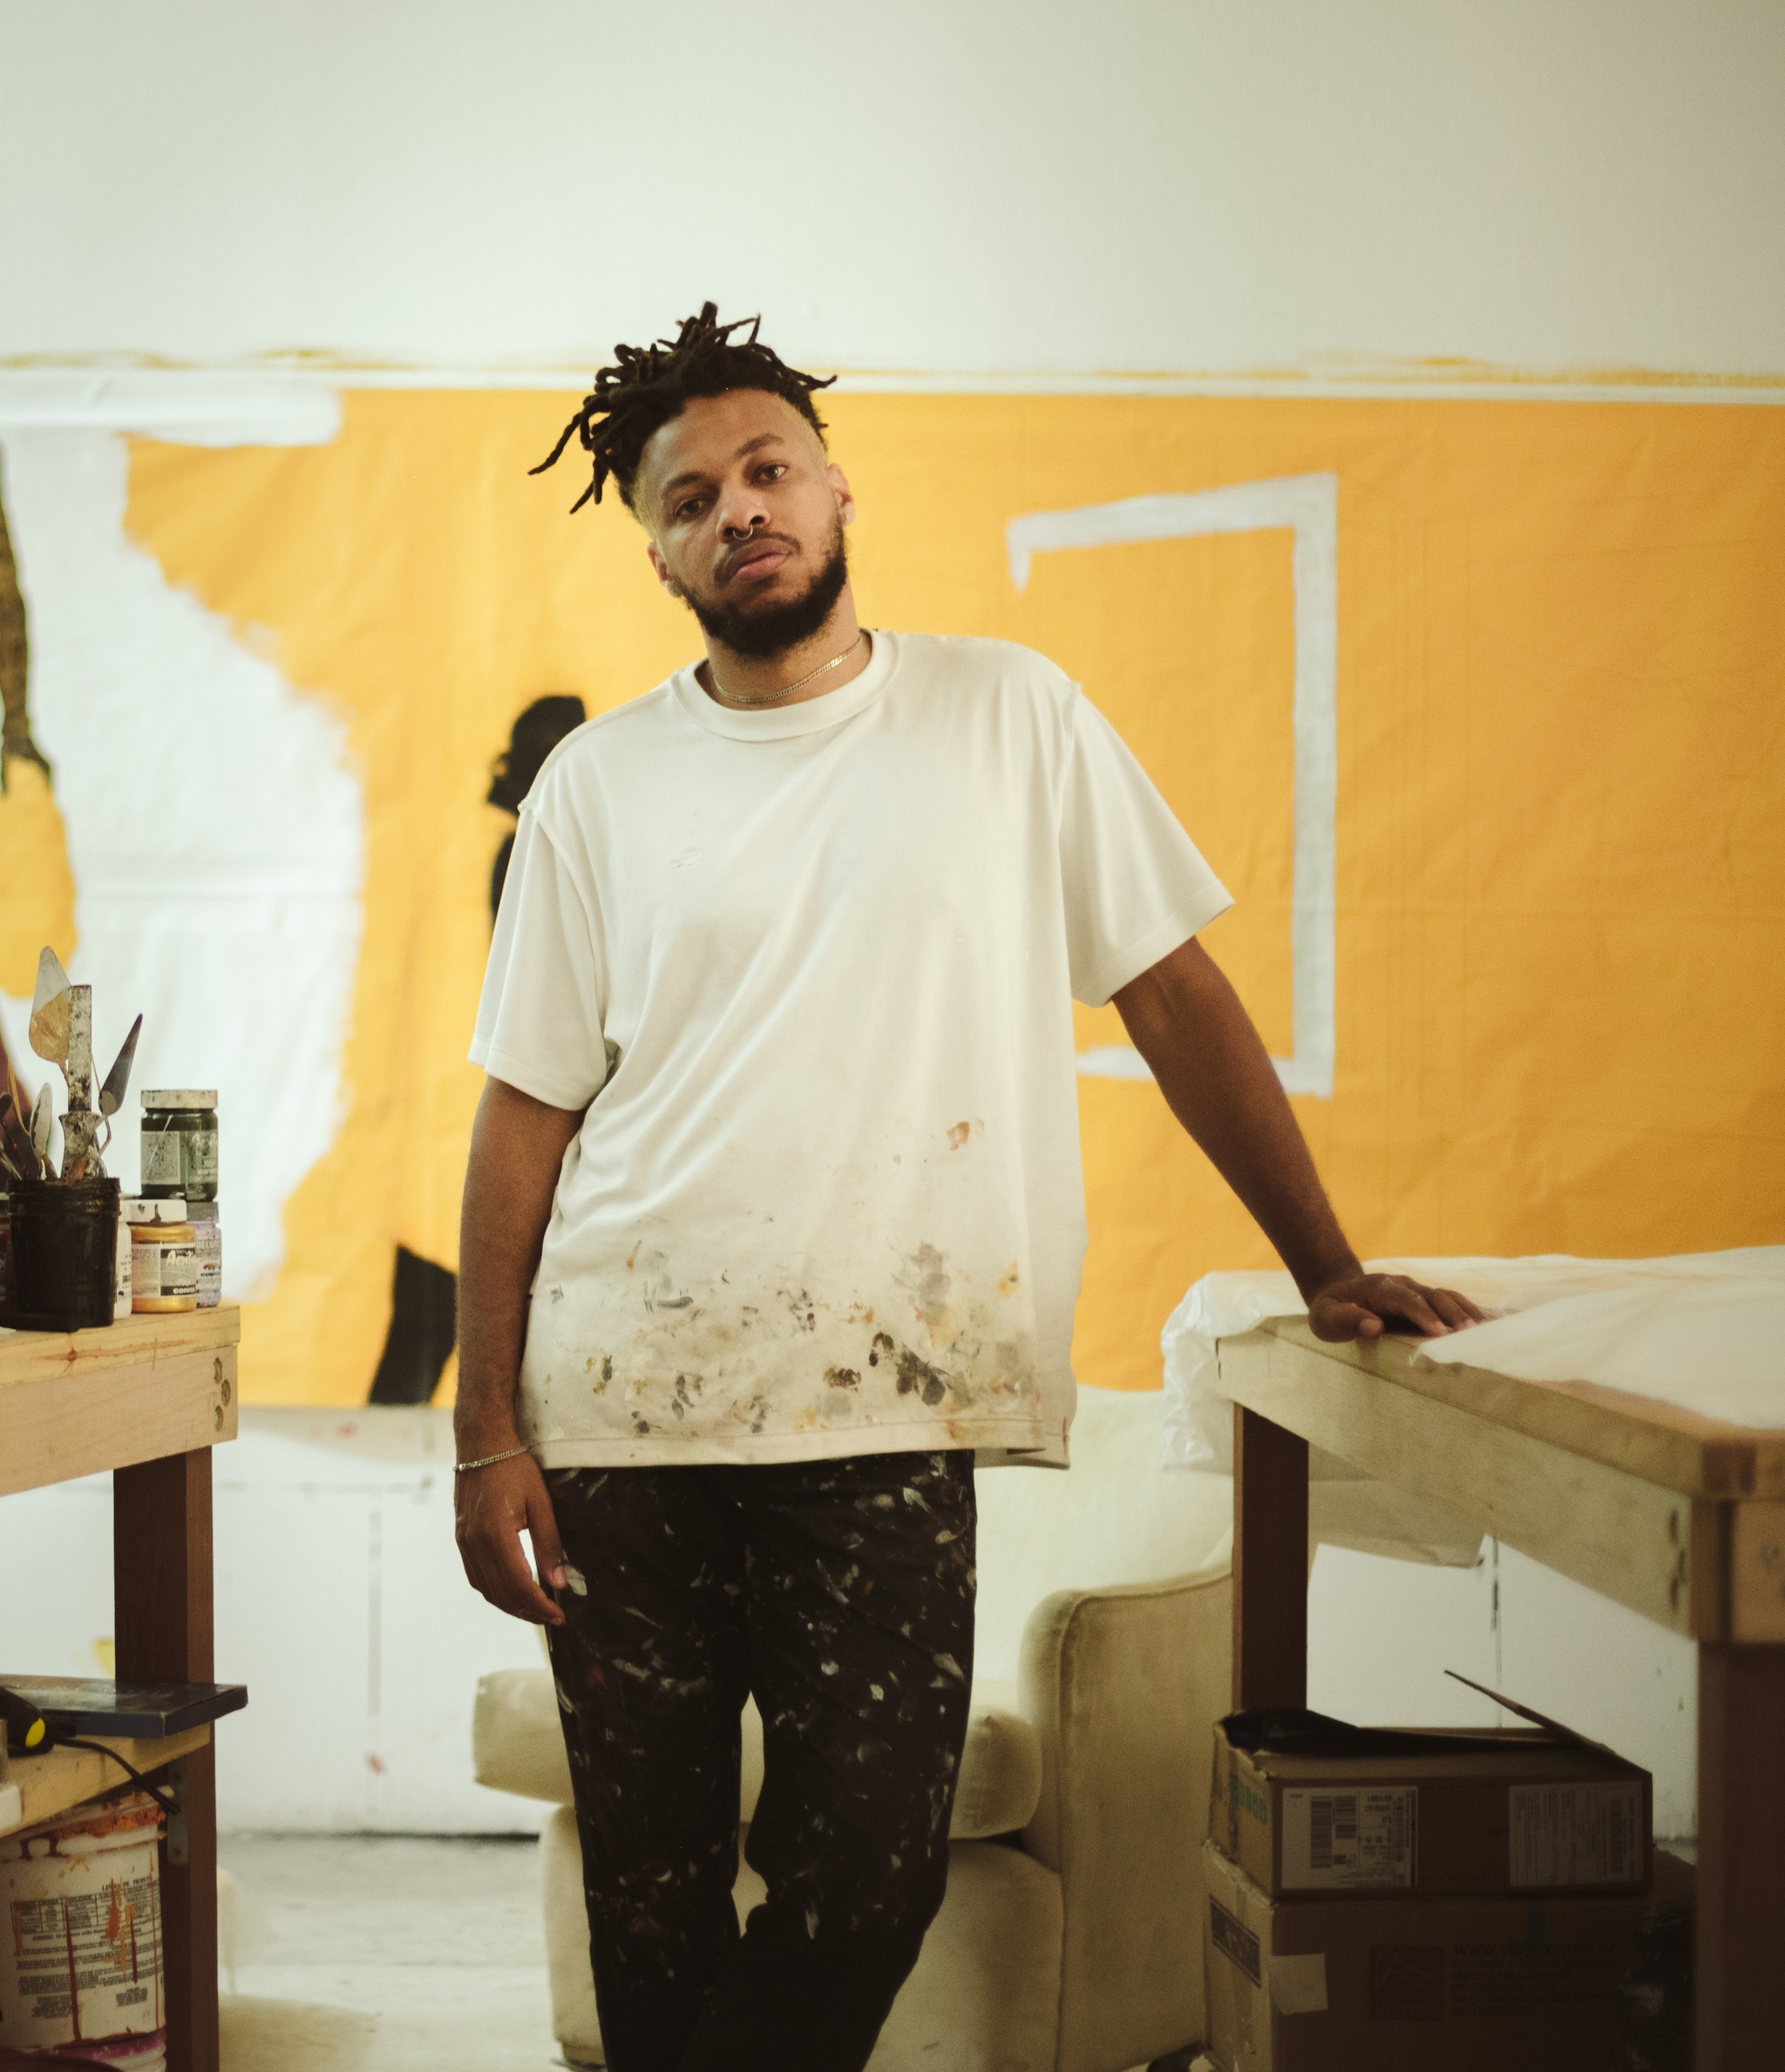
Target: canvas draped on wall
pixel 272 684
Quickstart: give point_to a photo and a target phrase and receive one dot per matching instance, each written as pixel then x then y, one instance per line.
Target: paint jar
pixel 207 1224
pixel 180 1144
pixel 164 1257
pixel 81 1970
pixel 64 1252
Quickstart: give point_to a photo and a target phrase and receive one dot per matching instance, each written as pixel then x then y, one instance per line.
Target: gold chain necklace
pixel 787 690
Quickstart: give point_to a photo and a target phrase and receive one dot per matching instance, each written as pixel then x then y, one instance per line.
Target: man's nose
pixel 741 513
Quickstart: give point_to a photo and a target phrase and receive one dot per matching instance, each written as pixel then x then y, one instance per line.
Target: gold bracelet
pixel 489 1460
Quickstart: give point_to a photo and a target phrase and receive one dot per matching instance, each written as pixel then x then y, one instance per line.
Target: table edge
pixel 1706 1457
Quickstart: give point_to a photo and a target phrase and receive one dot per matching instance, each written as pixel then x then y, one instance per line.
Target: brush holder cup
pixel 64 1254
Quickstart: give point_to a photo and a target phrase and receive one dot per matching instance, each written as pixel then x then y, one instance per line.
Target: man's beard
pixel 774 630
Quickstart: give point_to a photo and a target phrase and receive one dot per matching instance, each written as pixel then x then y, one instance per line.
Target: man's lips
pixel 758 560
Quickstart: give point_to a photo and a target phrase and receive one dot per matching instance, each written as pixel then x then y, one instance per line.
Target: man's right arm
pixel 516 1148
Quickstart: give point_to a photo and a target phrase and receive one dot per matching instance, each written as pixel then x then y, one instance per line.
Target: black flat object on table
pixel 136 1711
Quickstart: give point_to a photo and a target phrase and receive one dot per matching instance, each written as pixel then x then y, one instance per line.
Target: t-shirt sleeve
pixel 540 1018
pixel 1135 884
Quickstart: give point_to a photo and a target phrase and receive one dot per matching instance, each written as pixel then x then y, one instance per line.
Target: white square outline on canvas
pixel 1308 506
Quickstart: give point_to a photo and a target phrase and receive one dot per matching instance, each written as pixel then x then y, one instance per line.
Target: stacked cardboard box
pixel 1389 1901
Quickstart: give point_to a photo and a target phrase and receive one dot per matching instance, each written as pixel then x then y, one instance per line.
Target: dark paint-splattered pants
pixel 840 1593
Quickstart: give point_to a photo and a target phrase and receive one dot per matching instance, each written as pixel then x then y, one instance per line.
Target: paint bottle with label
pixel 164 1256
pixel 180 1144
pixel 121 1292
pixel 206 1221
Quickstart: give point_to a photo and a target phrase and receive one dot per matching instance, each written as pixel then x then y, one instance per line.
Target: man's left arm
pixel 1186 1021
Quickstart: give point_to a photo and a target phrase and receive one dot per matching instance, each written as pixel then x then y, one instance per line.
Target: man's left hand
pixel 1365 1305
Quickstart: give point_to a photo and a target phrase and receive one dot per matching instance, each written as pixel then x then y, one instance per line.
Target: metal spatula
pixel 49 1007
pixel 43 1121
pixel 117 1079
pixel 86 1135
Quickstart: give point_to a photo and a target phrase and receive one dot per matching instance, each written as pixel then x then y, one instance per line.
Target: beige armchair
pixel 1070 1937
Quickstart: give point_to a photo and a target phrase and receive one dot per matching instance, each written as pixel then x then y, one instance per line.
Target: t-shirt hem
pixel 1141 955
pixel 993 1437
pixel 517 1073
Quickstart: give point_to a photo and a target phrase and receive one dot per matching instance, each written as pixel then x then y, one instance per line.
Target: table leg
pixel 1270 1563
pixel 1741 1986
pixel 162 1605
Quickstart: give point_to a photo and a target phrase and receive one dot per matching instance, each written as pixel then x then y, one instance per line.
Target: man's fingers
pixel 1435 1310
pixel 1339 1322
pixel 1357 1308
pixel 548 1549
pixel 522 1596
pixel 492 1514
pixel 499 1573
pixel 1406 1299
pixel 1456 1310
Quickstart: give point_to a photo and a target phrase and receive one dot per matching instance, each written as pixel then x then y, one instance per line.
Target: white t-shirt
pixel 810 971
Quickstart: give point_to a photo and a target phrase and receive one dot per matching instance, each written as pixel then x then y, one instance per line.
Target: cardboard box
pixel 1409 1985
pixel 1517 1810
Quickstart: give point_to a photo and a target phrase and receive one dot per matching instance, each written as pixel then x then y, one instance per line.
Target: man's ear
pixel 660 568
pixel 846 496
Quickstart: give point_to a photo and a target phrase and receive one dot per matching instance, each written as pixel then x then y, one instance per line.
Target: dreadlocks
pixel 648 386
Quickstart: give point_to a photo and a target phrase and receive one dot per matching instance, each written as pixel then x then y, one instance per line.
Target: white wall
pixel 341 1605
pixel 934 185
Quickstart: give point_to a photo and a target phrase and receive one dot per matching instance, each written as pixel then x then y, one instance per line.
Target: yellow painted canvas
pixel 1558 998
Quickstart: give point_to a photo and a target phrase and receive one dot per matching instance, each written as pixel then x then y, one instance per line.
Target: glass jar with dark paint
pixel 179 1143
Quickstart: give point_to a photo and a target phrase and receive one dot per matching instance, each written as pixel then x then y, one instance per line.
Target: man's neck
pixel 762 682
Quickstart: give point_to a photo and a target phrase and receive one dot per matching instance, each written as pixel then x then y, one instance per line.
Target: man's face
pixel 746 519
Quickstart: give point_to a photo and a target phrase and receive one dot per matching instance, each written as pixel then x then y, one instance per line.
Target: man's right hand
pixel 492 1506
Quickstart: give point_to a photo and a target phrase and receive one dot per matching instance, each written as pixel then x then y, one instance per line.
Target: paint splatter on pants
pixel 841 1594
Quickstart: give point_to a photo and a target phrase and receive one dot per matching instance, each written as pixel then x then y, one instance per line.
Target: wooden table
pixel 1677 1516
pixel 147 1398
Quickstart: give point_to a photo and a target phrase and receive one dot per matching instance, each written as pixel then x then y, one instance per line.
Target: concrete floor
pixel 383 1953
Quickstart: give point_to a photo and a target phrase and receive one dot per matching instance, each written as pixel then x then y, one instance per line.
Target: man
pixel 774 1216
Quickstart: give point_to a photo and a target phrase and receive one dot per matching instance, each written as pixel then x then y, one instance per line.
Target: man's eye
pixel 774 470
pixel 688 509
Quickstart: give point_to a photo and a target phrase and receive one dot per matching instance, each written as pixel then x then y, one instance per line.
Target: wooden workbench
pixel 1679 1517
pixel 148 1398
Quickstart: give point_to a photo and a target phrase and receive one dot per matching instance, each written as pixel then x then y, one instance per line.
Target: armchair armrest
pixel 516 1742
pixel 1124 1685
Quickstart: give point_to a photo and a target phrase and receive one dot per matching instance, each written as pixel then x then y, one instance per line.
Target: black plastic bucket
pixel 64 1254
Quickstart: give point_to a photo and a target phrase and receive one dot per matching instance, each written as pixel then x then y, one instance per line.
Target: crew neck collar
pixel 781 722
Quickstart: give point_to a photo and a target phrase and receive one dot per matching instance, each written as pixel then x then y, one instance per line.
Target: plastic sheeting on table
pixel 1704 1331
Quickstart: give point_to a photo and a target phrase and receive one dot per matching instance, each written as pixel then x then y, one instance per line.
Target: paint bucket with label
pixel 80 1938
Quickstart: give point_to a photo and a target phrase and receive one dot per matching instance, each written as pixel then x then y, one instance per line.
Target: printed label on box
pixel 1235 1941
pixel 1242 1797
pixel 1335 1839
pixel 1575 1834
